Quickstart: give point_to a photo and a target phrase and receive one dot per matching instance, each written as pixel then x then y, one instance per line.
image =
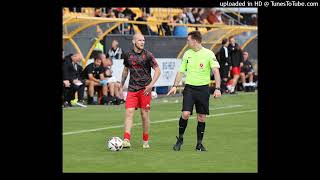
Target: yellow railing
pixel 87 22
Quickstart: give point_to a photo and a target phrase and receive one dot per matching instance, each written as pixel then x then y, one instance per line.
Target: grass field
pixel 230 138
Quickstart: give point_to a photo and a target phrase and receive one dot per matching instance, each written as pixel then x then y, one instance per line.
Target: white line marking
pixel 153 122
pixel 223 107
pixel 227 107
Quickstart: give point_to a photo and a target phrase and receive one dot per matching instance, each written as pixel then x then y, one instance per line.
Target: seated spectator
pixel 247 72
pixel 128 13
pixel 72 79
pixel 166 27
pixel 98 13
pixel 115 52
pixel 196 15
pixel 117 29
pixel 94 77
pixel 144 28
pixel 254 20
pixel 118 11
pixel 190 17
pixel 219 16
pixel 180 31
pixel 212 16
pixel 115 89
pixel 75 9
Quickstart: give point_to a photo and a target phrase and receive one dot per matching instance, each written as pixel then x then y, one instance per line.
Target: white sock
pixel 232 89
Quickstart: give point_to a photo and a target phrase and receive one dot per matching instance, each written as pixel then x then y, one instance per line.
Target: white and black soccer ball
pixel 154 94
pixel 115 144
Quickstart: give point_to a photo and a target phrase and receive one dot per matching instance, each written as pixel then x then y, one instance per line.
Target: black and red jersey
pixel 236 56
pixel 139 65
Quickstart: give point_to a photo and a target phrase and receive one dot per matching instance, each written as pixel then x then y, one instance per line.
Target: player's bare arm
pixel 217 80
pixel 91 78
pixel 177 80
pixel 156 76
pixel 124 76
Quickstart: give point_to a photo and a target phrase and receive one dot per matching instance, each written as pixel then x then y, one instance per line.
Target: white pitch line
pixel 224 107
pixel 154 122
pixel 227 107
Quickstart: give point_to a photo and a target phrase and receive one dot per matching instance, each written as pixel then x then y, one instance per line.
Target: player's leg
pixel 128 122
pixel 90 85
pixel 81 93
pixel 117 89
pixel 112 92
pixel 187 109
pixel 250 74
pixel 202 108
pixel 243 79
pixel 200 131
pixel 145 127
pixel 111 89
pixel 131 104
pixel 105 89
pixel 68 92
pixel 145 104
pixel 251 84
pixel 236 74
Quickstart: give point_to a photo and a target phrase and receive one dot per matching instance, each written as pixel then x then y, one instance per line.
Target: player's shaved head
pixel 137 36
pixel 138 41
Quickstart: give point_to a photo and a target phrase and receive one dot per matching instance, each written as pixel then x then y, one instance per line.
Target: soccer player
pixel 139 62
pixel 236 59
pixel 197 62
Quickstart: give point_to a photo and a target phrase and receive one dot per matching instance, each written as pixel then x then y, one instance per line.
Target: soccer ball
pixel 115 144
pixel 154 94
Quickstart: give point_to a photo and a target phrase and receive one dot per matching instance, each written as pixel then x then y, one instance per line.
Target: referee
pixel 197 62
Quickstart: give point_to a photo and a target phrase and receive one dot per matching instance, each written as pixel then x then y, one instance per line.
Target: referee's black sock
pixel 182 126
pixel 200 131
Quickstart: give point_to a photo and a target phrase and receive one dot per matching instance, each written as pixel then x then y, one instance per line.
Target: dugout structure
pixel 75 27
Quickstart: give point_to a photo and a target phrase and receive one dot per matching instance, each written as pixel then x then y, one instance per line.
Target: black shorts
pixel 224 71
pixel 196 95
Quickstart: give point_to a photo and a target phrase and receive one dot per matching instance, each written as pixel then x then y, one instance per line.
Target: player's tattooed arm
pixel 124 75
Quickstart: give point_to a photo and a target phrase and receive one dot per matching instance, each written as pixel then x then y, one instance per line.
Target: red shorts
pixel 138 100
pixel 235 70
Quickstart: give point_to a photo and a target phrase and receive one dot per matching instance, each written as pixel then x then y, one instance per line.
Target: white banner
pixel 168 66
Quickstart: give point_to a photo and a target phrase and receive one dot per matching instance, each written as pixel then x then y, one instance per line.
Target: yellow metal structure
pixel 73 24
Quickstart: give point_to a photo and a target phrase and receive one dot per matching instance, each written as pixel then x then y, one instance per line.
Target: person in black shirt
pixel 94 76
pixel 236 59
pixel 225 64
pixel 72 80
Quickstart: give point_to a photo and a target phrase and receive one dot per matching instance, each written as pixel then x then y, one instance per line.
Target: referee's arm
pixel 217 92
pixel 177 80
pixel 217 78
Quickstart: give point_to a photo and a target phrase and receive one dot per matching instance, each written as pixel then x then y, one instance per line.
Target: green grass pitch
pixel 230 138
